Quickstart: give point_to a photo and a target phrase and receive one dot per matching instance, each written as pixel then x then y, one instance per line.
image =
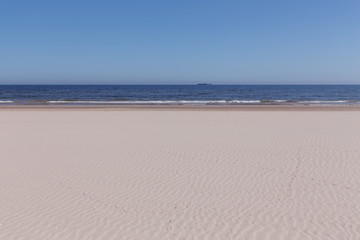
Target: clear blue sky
pixel 185 41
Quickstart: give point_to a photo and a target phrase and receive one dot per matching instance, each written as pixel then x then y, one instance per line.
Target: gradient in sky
pixel 187 41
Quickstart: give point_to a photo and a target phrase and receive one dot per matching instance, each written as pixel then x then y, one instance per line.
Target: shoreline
pixel 185 107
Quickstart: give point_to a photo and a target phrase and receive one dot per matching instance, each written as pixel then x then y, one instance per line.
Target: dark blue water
pixel 179 94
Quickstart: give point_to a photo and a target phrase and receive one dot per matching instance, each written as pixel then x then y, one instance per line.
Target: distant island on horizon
pixel 204 84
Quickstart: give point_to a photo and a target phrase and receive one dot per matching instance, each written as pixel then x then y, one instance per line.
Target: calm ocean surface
pixel 179 94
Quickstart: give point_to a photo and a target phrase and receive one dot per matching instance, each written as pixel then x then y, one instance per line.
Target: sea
pixel 201 94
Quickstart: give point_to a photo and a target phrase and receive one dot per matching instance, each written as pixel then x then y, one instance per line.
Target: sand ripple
pixel 179 175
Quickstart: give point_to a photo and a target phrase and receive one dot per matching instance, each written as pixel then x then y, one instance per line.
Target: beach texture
pixel 145 174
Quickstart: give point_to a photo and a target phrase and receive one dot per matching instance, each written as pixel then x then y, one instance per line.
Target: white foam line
pixel 157 102
pixel 190 102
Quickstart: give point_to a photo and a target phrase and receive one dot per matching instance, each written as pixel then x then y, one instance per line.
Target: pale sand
pixel 74 174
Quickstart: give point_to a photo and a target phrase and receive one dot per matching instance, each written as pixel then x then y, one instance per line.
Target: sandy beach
pixel 109 173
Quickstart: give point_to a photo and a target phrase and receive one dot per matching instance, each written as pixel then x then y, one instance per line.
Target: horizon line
pixel 165 84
